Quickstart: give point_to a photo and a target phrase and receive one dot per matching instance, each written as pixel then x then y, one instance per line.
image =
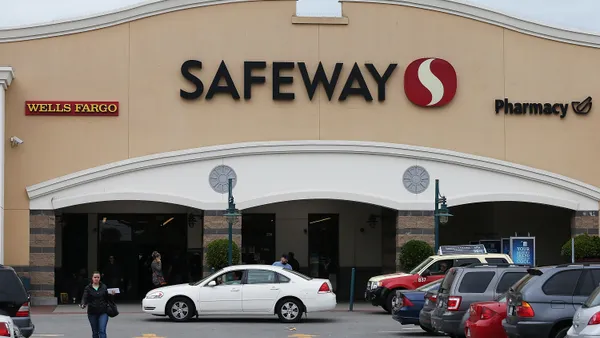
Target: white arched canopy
pixel 270 172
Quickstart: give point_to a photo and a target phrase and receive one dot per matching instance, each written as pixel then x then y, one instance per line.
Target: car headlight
pixel 155 295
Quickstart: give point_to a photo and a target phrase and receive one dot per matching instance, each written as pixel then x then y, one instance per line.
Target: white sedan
pixel 244 290
pixel 8 328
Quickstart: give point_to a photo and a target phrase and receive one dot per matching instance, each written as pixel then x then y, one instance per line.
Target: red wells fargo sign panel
pixel 72 108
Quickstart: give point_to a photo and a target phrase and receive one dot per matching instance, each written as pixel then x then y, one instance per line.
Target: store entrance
pixel 128 240
pixel 323 246
pixel 258 239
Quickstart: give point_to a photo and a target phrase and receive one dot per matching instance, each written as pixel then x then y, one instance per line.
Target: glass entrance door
pixel 323 246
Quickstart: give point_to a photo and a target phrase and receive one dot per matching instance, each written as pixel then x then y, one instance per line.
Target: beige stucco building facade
pixel 161 147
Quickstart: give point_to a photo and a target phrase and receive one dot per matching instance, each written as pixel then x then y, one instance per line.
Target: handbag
pixel 111 309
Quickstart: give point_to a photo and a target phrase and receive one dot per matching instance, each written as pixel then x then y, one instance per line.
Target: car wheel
pixel 562 333
pixel 180 309
pixel 390 301
pixel 290 310
pixel 426 329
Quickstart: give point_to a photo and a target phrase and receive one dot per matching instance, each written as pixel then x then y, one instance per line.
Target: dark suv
pixel 463 286
pixel 543 303
pixel 14 300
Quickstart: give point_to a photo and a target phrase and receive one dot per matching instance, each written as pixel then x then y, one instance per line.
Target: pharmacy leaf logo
pixel 583 107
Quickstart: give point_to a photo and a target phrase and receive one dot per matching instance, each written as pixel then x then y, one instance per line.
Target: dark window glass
pixel 496 260
pixel 466 261
pixel 585 286
pixel 282 278
pixel 476 282
pixel 11 288
pixel 508 280
pixel 440 267
pixel 562 283
pixel 596 275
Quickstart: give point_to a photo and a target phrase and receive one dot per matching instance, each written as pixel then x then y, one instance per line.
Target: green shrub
pixel 216 254
pixel 413 253
pixel 586 246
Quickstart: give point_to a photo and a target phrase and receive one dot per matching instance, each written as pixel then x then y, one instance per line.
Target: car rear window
pixel 562 283
pixel 531 276
pixel 496 260
pixel 508 280
pixel 431 286
pixel 448 280
pixel 11 288
pixel 476 282
pixel 299 274
pixel 593 300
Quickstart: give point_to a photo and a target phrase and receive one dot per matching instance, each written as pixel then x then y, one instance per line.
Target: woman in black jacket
pixel 96 297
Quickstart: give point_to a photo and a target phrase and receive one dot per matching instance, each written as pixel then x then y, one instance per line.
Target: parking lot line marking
pixel 302 335
pixel 149 335
pixel 47 335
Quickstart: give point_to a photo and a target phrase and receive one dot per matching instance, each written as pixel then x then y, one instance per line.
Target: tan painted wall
pixel 138 64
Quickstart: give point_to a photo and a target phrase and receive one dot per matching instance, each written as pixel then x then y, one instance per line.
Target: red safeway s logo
pixel 430 82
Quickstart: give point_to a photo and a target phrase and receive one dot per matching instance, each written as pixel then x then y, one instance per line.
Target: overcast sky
pixel 580 15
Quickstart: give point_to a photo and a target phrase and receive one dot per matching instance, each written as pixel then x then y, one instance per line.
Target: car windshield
pixel 208 277
pixel 431 286
pixel 421 266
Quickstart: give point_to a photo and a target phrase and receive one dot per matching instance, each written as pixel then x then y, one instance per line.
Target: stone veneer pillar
pixel 585 222
pixel 413 225
pixel 42 261
pixel 216 227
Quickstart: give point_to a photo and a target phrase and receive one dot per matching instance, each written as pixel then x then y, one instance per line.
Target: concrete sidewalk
pixel 134 308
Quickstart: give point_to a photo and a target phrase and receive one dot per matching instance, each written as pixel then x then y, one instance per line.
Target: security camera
pixel 15 141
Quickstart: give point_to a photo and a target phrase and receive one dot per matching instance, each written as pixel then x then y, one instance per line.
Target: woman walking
pixel 96 298
pixel 157 275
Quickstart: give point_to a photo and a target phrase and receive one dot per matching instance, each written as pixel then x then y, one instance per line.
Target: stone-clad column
pixel 216 227
pixel 42 246
pixel 585 222
pixel 413 225
pixel 6 77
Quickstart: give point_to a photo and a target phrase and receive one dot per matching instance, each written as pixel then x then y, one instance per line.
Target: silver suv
pixel 463 286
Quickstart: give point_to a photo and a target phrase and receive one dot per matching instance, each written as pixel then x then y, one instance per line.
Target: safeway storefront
pixel 340 121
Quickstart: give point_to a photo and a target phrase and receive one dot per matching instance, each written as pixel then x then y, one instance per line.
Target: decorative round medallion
pixel 416 179
pixel 219 178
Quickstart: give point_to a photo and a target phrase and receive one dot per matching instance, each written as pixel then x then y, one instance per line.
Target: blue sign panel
pixel 492 245
pixel 461 249
pixel 522 250
pixel 506 246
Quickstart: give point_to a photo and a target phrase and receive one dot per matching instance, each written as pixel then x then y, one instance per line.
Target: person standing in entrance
pixel 95 298
pixel 293 262
pixel 157 275
pixel 283 262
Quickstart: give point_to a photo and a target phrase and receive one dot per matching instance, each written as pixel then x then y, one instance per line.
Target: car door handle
pixel 235 290
pixel 274 288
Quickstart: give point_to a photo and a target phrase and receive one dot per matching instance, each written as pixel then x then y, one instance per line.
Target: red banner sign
pixel 72 108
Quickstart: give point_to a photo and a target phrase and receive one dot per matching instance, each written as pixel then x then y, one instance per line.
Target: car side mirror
pixel 212 283
pixel 426 273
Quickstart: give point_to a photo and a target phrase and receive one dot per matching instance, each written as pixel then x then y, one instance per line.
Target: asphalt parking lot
pixel 132 324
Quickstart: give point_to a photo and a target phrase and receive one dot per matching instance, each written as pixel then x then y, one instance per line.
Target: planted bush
pixel 586 246
pixel 216 254
pixel 413 253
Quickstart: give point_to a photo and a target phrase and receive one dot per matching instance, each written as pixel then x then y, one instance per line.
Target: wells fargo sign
pixel 72 108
